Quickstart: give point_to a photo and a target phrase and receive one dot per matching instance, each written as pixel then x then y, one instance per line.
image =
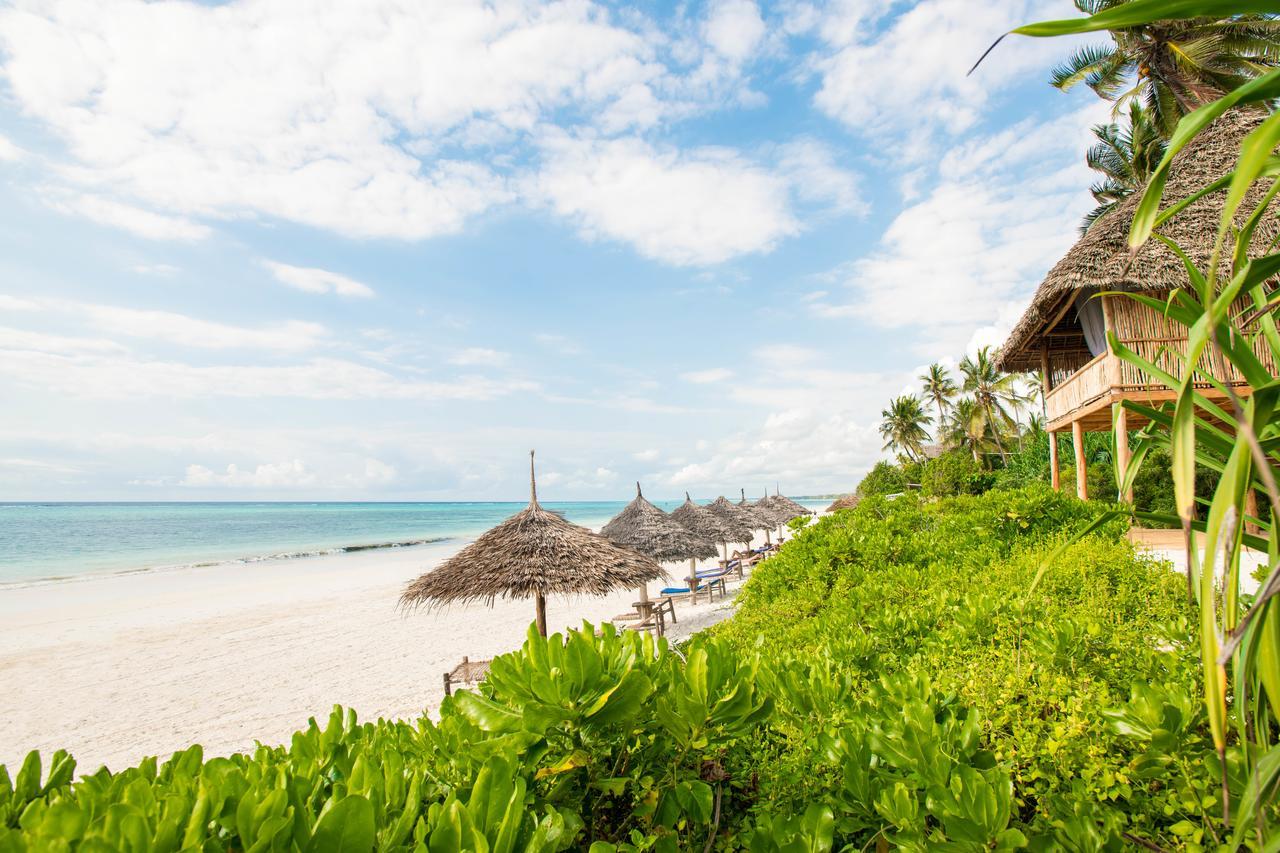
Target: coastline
pixel 119 666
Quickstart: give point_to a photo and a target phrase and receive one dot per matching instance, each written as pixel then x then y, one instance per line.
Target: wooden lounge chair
pixel 467 672
pixel 710 581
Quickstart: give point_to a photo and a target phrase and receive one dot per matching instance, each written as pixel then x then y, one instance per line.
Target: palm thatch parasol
pixel 706 523
pixel 534 553
pixel 1100 260
pixel 766 517
pixel 786 508
pixel 844 502
pixel 740 522
pixel 643 527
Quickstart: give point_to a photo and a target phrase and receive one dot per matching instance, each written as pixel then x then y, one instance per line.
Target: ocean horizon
pixel 51 541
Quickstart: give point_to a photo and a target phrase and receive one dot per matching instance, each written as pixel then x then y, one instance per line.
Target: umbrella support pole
pixel 540 605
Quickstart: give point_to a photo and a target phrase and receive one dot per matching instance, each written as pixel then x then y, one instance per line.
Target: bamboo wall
pixel 1078 380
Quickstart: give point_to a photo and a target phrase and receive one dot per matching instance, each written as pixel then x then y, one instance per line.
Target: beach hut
pixel 705 523
pixel 643 527
pixel 1063 333
pixel 533 554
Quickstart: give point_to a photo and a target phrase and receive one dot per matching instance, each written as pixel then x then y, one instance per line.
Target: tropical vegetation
pixel 1125 156
pixel 901 674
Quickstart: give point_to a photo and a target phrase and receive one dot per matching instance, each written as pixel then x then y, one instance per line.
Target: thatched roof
pixel 1100 259
pixel 645 528
pixel 762 511
pixel 778 514
pixel 534 552
pixel 702 521
pixel 740 523
pixel 844 502
pixel 781 500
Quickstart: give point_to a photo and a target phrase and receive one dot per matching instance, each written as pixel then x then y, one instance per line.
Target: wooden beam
pixel 1054 471
pixel 1046 378
pixel 1082 473
pixel 1109 325
pixel 1122 446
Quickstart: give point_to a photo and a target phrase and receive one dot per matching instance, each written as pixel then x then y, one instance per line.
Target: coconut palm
pixel 902 426
pixel 1125 156
pixel 996 393
pixel 968 428
pixel 1172 66
pixel 940 388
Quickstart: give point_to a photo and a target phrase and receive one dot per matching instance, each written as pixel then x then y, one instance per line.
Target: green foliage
pixel 880 683
pixel 954 473
pixel 884 478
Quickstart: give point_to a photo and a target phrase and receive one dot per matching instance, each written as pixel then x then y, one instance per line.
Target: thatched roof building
pixel 1065 331
pixel 533 554
pixel 1100 259
pixel 643 527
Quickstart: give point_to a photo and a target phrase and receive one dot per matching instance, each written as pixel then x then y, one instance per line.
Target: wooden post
pixel 1046 378
pixel 1082 473
pixel 1251 508
pixel 1121 421
pixel 1055 476
pixel 1109 324
pixel 540 603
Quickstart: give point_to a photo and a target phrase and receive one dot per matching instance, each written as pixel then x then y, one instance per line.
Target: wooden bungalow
pixel 1063 334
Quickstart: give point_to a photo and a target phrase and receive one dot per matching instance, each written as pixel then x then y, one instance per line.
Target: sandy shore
pixel 120 667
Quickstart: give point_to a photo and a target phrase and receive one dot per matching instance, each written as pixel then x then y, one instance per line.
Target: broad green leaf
pixel 345 827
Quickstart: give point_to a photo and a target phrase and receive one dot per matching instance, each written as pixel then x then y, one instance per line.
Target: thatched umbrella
pixel 766 517
pixel 787 508
pixel 1100 260
pixel 705 523
pixel 844 502
pixel 643 527
pixel 740 522
pixel 533 554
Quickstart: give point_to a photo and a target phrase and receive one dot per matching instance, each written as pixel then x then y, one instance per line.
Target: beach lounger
pixel 655 620
pixel 713 583
pixel 467 672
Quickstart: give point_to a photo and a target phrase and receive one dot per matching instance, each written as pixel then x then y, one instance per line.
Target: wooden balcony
pixel 1087 394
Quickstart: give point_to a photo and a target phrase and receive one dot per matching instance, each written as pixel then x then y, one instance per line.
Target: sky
pixel 286 250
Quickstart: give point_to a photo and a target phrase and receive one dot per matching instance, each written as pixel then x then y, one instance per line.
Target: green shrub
pixel 954 472
pixel 886 679
pixel 884 478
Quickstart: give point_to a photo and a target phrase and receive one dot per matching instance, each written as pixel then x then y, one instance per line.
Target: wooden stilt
pixel 540 603
pixel 1121 420
pixel 1055 476
pixel 1082 472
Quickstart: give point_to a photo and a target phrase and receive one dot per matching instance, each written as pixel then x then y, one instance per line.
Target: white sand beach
pixel 119 667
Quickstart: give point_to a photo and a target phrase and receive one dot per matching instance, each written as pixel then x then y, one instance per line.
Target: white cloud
pixel 271 475
pixel 696 207
pixel 649 455
pixel 128 217
pixel 315 280
pixel 166 102
pixel 22 339
pixel 98 376
pixel 707 377
pixel 811 168
pixel 974 247
pixel 734 28
pixel 479 357
pixel 9 151
pixel 154 269
pixel 911 76
pixel 559 343
pixel 193 332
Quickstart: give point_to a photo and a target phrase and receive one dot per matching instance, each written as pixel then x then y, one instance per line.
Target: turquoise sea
pixel 52 541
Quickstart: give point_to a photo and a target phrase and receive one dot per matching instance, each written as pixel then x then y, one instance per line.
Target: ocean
pixel 42 542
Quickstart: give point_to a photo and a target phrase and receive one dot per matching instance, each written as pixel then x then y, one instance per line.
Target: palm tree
pixel 995 393
pixel 1173 66
pixel 902 426
pixel 940 388
pixel 1126 157
pixel 967 427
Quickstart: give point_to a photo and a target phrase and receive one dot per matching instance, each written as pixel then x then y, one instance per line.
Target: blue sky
pixel 288 250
